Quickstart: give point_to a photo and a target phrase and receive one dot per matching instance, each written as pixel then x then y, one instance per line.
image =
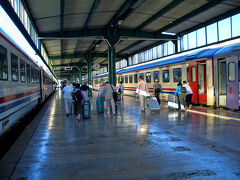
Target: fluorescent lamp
pixel 169 33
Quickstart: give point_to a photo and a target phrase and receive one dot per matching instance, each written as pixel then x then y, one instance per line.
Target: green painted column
pixel 80 76
pixel 89 64
pixel 74 75
pixel 111 65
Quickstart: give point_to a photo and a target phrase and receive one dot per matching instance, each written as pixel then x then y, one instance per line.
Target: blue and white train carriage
pixel 212 73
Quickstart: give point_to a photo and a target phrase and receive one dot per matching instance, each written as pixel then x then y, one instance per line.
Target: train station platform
pixel 197 144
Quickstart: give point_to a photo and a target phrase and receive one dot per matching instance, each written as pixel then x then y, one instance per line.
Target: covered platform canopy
pixel 82 32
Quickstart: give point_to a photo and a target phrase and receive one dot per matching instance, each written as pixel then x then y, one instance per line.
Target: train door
pixel 202 83
pixel 193 81
pixel 222 82
pixel 232 82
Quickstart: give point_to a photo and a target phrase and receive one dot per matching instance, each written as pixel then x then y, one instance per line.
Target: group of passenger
pixel 74 94
pixel 183 93
pixel 111 95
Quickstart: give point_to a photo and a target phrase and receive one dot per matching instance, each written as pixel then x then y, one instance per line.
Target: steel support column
pixel 111 65
pixel 90 78
pixel 75 75
pixel 80 76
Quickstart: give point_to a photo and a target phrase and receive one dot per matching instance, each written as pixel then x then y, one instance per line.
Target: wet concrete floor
pixel 197 144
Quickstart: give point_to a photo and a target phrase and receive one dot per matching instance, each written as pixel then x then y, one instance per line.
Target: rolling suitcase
pixel 173 102
pixel 86 109
pixel 152 103
pixel 100 104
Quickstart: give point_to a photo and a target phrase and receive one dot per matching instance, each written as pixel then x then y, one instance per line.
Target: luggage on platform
pixel 86 109
pixel 152 103
pixel 173 102
pixel 100 104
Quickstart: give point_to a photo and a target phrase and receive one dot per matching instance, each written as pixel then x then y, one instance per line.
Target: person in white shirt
pixel 100 89
pixel 142 91
pixel 67 96
pixel 121 89
pixel 189 94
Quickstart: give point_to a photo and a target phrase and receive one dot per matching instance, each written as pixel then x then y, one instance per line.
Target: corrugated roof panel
pixel 48 24
pixel 75 21
pixel 78 6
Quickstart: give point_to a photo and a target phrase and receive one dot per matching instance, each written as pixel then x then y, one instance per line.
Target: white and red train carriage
pixel 23 84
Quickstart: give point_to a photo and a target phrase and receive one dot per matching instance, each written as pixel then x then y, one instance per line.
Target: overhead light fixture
pixel 120 21
pixel 169 33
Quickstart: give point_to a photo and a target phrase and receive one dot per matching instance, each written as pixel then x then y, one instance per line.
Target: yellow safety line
pixel 213 115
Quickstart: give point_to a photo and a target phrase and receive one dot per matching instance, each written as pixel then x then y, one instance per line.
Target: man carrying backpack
pixel 189 94
pixel 77 97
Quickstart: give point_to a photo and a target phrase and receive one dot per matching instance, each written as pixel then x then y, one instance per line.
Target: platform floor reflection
pixel 197 144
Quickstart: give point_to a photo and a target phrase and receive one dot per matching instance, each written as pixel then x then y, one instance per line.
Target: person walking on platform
pixel 157 89
pixel 180 95
pixel 142 91
pixel 84 90
pixel 189 94
pixel 67 96
pixel 107 93
pixel 77 97
pixel 100 89
pixel 121 90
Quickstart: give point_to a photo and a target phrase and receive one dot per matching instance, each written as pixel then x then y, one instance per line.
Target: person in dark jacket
pixel 180 95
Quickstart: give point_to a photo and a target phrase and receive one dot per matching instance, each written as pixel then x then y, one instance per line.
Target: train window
pixel 177 75
pixel 156 75
pixel 148 77
pixel 165 75
pixel 32 74
pixel 130 79
pixel 231 71
pixel 135 78
pixel 187 74
pixel 22 71
pixel 118 79
pixel 14 67
pixel 126 79
pixel 3 63
pixel 193 74
pixel 122 79
pixel 141 75
pixel 36 76
pixel 28 73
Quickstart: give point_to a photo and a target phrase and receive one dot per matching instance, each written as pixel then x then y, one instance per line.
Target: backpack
pixel 77 96
pixel 115 94
pixel 157 90
pixel 183 90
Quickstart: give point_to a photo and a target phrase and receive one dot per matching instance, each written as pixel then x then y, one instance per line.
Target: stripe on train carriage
pixel 16 103
pixel 16 96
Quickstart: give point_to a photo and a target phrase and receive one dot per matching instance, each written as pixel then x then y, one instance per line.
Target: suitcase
pixel 100 104
pixel 173 102
pixel 86 109
pixel 152 103
pixel 119 96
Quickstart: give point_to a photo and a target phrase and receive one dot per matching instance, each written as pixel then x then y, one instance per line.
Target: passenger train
pixel 212 73
pixel 23 84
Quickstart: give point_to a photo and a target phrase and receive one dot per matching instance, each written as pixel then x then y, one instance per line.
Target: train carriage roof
pixel 205 53
pixel 228 51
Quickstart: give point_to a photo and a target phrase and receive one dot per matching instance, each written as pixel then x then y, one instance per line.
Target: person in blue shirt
pixel 180 95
